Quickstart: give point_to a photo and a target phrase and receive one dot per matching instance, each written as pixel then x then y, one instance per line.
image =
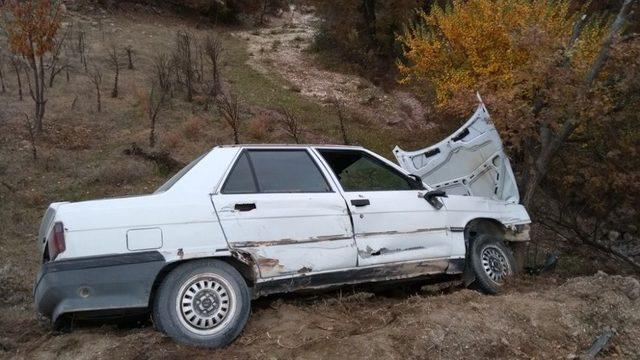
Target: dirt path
pixel 280 48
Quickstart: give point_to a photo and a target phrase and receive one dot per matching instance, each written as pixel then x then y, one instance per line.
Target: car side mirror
pixel 432 198
pixel 417 182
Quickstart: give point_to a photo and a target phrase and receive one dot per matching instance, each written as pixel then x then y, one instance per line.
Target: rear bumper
pixel 100 283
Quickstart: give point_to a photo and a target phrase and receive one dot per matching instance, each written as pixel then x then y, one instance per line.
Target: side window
pixel 240 179
pixel 275 171
pixel 287 171
pixel 358 171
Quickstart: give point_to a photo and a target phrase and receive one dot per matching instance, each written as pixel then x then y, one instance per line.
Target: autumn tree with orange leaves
pixel 31 27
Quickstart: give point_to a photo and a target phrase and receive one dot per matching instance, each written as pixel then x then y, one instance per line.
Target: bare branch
pixel 229 109
pixel 95 76
pixel 291 124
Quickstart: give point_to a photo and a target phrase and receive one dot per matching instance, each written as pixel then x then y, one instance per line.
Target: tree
pixel 114 61
pixel 54 69
pixel 341 121
pixel 291 124
pixel 95 76
pixel 213 49
pixel 3 89
pixel 184 63
pixel 31 28
pixel 153 101
pixel 17 65
pixel 229 109
pixel 562 108
pixel 129 50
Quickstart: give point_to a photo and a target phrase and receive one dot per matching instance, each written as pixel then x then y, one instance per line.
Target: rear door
pixel 471 162
pixel 391 220
pixel 278 206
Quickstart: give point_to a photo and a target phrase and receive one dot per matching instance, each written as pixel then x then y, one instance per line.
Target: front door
pixel 277 206
pixel 391 220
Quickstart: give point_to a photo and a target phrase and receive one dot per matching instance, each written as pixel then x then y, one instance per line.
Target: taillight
pixel 56 241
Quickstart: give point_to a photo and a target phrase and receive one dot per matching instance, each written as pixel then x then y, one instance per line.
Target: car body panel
pixel 289 241
pixel 471 161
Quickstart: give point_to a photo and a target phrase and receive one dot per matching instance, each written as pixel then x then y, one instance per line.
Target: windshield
pixel 174 179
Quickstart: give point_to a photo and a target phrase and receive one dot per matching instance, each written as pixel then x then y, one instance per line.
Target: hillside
pixel 82 155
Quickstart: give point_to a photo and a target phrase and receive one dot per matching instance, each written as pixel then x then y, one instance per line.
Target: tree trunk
pixel 16 67
pixel 98 98
pixel 152 132
pixel 368 9
pixel 114 92
pixel 2 88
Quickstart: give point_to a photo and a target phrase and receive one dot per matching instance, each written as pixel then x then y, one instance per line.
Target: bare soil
pixel 544 319
pixel 282 48
pixel 80 157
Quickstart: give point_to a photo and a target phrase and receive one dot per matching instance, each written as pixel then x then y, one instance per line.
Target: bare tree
pixel 17 65
pixel 54 69
pixel 341 120
pixel 184 61
pixel 115 65
pixel 95 76
pixel 82 47
pixel 129 50
pixel 291 124
pixel 213 49
pixel 229 109
pixel 153 105
pixel 3 89
pixel 162 65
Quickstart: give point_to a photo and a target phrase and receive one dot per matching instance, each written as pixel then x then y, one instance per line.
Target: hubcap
pixel 494 263
pixel 205 303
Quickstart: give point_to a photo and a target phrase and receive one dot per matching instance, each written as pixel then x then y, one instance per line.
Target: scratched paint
pixel 290 259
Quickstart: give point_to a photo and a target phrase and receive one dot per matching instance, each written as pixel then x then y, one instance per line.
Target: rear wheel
pixel 492 262
pixel 202 303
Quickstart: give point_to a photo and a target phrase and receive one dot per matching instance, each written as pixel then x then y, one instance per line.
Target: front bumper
pixel 98 283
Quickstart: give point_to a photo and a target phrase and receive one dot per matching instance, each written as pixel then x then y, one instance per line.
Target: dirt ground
pixel 555 315
pixel 543 319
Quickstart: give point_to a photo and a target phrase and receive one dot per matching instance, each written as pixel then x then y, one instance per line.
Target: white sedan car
pixel 243 221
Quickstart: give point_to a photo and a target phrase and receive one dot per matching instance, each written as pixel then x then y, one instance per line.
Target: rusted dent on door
pixel 394 232
pixel 368 252
pixel 246 244
pixel 247 259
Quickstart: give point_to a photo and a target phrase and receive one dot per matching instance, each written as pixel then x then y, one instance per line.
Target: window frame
pixel 375 158
pixel 247 151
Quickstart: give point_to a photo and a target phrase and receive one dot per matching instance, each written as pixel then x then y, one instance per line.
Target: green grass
pixel 255 88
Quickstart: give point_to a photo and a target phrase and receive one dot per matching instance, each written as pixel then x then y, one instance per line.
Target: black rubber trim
pixel 457 229
pixel 91 262
pixel 461 136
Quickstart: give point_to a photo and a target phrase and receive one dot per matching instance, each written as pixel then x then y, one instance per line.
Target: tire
pixel 492 262
pixel 193 294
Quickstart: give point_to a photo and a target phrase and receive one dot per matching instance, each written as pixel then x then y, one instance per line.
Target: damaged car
pixel 244 221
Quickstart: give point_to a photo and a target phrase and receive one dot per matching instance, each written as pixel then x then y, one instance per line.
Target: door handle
pixel 360 202
pixel 245 207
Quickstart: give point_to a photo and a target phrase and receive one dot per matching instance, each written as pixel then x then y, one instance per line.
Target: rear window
pixel 275 171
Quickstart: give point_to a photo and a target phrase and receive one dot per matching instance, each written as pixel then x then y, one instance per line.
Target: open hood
pixel 471 161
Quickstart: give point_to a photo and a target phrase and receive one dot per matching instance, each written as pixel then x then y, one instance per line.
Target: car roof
pixel 336 146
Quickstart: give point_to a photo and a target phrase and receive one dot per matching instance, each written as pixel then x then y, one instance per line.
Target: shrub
pixel 192 128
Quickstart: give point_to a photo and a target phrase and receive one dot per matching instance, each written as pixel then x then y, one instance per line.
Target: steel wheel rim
pixel 205 304
pixel 495 263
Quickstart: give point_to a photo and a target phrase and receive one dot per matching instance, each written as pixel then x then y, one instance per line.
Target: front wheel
pixel 202 303
pixel 492 262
